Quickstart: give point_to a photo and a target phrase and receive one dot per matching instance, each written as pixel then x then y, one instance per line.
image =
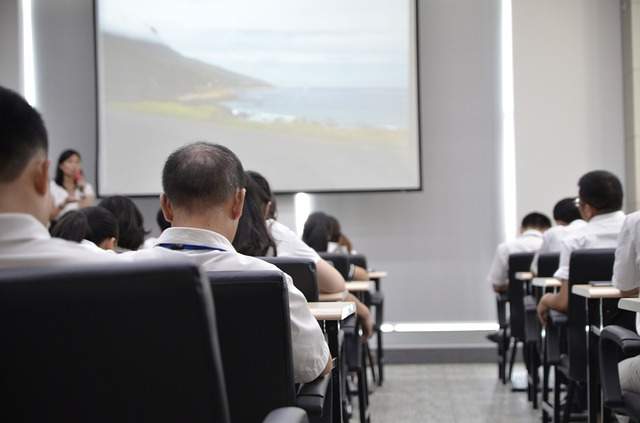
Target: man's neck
pixel 212 222
pixel 18 201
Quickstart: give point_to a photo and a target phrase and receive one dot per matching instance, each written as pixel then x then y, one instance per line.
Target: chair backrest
pixel 548 264
pixel 358 260
pixel 518 262
pixel 585 266
pixel 254 327
pixel 116 343
pixel 339 261
pixel 302 271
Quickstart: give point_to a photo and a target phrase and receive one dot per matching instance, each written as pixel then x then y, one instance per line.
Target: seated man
pixel 530 239
pixel 203 198
pixel 25 203
pixel 567 217
pixel 626 277
pixel 599 201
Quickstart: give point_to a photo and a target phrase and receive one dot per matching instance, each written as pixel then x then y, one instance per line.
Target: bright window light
pixel 302 205
pixel 28 61
pixel 508 155
pixel 439 327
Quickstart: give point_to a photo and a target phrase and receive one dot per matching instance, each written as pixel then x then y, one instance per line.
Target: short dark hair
pixel 130 221
pixel 201 174
pixel 602 190
pixel 22 134
pixel 64 156
pixel 317 231
pixel 566 210
pixel 94 224
pixel 536 220
pixel 161 221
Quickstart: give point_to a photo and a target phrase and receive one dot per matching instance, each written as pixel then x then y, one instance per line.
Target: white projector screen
pixel 318 96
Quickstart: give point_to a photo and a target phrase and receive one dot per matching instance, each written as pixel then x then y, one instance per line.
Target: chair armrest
pixel 311 396
pixel 616 343
pixel 286 415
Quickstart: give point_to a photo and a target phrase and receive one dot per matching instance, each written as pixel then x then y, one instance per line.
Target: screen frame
pixel 99 122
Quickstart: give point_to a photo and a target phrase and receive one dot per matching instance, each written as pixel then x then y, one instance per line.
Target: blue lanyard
pixel 188 247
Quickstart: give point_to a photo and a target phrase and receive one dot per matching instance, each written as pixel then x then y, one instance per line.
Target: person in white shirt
pixel 25 203
pixel 93 227
pixel 531 231
pixel 626 277
pixel 69 189
pixel 567 217
pixel 203 199
pixel 255 237
pixel 130 222
pixel 599 201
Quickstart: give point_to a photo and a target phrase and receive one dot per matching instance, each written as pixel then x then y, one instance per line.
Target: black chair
pixel 616 344
pixel 252 310
pixel 584 266
pixel 340 261
pixel 519 262
pixel 375 299
pixel 302 271
pixel 116 343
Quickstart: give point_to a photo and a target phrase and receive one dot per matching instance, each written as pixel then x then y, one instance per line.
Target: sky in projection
pixel 288 43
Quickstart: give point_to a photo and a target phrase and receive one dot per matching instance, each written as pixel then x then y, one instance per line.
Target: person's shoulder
pixel 68 251
pixel 254 263
pixel 278 229
pixel 632 220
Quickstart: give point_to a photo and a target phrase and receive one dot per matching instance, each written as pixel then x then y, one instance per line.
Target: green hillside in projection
pixel 139 70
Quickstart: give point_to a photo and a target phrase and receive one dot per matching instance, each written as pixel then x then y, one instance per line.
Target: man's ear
pixel 41 177
pixel 167 208
pixel 238 203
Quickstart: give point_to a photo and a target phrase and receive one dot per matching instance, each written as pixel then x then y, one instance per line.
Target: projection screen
pixel 319 96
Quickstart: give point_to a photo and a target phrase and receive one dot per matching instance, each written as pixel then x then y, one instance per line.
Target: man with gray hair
pixel 204 190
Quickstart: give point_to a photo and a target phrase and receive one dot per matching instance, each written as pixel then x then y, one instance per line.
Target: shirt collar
pixel 195 236
pixel 577 222
pixel 532 232
pixel 21 226
pixel 607 216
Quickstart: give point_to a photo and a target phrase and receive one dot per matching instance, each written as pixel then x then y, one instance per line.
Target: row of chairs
pixel 356 354
pixel 146 343
pixel 582 347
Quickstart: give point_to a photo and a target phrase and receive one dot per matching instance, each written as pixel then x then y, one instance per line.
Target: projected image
pixel 315 95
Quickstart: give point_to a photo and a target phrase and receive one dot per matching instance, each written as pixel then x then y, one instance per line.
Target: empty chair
pixel 117 343
pixel 252 310
pixel 302 271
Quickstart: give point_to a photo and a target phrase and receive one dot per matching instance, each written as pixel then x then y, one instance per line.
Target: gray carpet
pixel 447 393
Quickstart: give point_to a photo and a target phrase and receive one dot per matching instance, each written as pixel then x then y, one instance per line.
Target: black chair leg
pixel 512 360
pixel 374 377
pixel 380 350
pixel 568 402
pixel 363 395
pixel 556 395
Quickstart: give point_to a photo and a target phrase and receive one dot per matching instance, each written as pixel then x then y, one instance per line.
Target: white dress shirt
pixel 25 242
pixel 288 244
pixel 310 351
pixel 530 241
pixel 552 240
pixel 626 269
pixel 600 232
pixel 59 195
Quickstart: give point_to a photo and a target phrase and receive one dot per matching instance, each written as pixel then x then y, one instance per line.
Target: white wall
pixel 568 96
pixel 10 57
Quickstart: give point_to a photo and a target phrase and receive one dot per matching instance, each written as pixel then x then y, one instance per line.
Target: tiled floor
pixel 447 393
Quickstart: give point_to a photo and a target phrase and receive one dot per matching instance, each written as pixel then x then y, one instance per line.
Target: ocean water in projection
pixel 316 95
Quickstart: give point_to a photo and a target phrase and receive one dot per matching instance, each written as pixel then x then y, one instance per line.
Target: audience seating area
pixel 572 363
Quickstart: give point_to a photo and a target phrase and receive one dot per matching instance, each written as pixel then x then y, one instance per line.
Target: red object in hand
pixel 78 176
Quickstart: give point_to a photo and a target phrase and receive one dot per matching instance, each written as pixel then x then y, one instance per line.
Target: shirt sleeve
pixel 88 191
pixel 310 351
pixel 498 273
pixel 625 269
pixel 568 246
pixel 289 245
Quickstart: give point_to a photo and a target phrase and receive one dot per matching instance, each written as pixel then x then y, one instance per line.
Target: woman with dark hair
pixel 317 231
pixel 252 237
pixel 267 197
pixel 287 243
pixel 130 221
pixel 93 227
pixel 69 189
